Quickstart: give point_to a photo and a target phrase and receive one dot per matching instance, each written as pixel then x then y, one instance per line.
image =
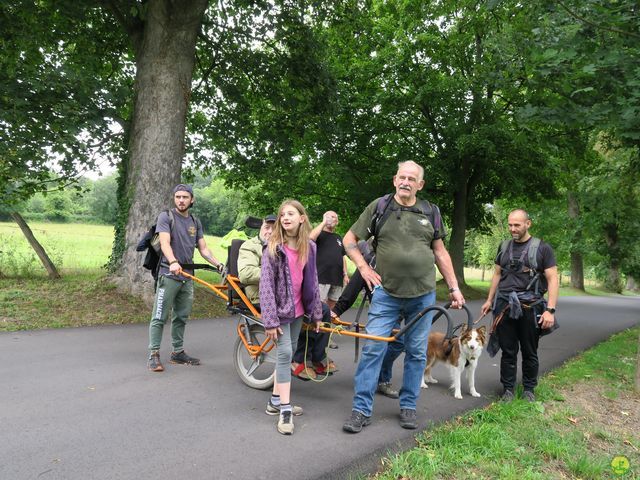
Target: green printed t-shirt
pixel 404 258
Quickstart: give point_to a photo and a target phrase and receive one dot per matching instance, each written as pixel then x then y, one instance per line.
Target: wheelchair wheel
pixel 260 372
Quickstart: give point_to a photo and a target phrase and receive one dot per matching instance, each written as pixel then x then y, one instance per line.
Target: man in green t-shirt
pixel 409 247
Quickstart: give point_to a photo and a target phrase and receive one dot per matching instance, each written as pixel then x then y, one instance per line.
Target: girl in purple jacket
pixel 288 292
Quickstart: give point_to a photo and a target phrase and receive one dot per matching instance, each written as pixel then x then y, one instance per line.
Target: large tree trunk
pixel 577 265
pixel 39 249
pixel 458 231
pixel 165 56
pixel 613 281
pixel 632 284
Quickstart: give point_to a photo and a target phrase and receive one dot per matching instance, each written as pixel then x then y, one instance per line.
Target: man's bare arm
pixel 444 264
pixel 369 275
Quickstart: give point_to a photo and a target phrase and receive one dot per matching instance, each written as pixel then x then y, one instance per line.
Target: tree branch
pixel 593 24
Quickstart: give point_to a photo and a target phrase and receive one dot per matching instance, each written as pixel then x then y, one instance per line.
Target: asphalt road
pixel 80 404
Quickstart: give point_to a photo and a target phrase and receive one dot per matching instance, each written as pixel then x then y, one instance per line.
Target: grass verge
pixel 80 300
pixel 585 424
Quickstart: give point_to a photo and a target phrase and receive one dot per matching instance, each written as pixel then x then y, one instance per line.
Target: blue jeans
pixel 394 349
pixel 383 316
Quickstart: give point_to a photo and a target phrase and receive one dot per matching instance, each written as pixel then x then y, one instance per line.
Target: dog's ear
pixel 463 329
pixel 482 333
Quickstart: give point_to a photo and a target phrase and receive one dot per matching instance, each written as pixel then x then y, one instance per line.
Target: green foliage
pixel 102 201
pixel 61 78
pixel 218 208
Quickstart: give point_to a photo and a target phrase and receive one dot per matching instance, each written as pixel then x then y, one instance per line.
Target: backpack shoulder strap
pixel 533 253
pixel 504 246
pixel 380 215
pixel 171 219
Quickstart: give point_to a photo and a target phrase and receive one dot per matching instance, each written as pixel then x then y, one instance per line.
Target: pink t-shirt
pixel 295 269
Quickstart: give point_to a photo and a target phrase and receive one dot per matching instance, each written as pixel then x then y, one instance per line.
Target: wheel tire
pixel 263 377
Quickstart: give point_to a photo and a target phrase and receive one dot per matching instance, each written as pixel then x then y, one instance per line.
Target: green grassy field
pixel 73 247
pixel 78 247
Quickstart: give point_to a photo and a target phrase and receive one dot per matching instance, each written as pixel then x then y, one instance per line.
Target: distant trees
pixel 219 208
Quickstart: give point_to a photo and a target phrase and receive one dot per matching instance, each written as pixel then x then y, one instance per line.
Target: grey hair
pixel 411 162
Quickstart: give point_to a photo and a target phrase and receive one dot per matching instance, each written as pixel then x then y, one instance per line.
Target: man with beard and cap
pixel 180 233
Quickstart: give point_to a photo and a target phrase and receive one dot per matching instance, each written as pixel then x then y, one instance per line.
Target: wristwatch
pixel 551 310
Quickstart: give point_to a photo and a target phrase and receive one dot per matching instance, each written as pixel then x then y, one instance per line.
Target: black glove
pixel 221 268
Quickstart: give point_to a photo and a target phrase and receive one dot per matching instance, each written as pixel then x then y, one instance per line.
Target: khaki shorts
pixel 330 292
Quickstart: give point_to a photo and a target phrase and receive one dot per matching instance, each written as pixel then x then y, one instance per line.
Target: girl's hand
pixel 273 333
pixel 318 325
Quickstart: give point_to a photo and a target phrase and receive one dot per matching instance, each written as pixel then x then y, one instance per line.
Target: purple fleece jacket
pixel 276 291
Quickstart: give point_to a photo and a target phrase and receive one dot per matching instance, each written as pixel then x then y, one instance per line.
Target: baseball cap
pixel 270 218
pixel 181 187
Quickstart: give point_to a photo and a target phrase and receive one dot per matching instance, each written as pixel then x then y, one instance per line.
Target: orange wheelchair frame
pixel 254 356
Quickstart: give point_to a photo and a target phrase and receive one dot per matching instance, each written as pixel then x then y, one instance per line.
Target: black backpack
pixel 538 282
pixel 432 212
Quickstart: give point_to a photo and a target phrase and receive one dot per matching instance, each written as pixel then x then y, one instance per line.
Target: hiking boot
pixel 182 358
pixel 153 363
pixel 529 396
pixel 303 372
pixel 408 418
pixel 387 390
pixel 275 409
pixel 285 423
pixel 507 396
pixel 356 422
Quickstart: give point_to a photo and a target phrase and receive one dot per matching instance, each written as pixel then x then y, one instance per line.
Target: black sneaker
pixel 507 396
pixel 529 396
pixel 356 422
pixel 408 418
pixel 153 363
pixel 182 358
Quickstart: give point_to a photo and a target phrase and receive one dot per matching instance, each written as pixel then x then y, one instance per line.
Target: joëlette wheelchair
pixel 254 355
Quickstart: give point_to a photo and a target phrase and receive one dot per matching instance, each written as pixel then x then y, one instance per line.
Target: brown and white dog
pixel 459 354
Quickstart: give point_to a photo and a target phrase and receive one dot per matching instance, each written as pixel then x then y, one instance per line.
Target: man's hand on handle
pixel 370 276
pixel 175 268
pixel 457 299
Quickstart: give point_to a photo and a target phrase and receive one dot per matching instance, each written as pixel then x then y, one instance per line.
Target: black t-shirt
pixel 518 281
pixel 329 258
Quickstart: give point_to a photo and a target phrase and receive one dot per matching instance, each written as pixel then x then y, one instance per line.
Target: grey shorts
pixel 330 292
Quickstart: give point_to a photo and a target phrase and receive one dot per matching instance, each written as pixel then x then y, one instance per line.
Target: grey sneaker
pixel 285 423
pixel 507 396
pixel 529 396
pixel 356 422
pixel 387 390
pixel 275 409
pixel 182 358
pixel 408 418
pixel 153 363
